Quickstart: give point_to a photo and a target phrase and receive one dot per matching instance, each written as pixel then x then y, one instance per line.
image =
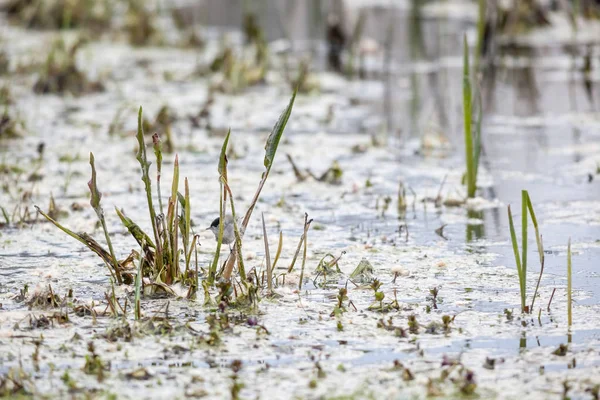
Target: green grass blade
pixel 276 133
pixel 569 285
pixel 306 225
pixel 279 247
pixel 188 220
pixel 267 256
pixel 515 245
pixel 467 114
pixel 524 196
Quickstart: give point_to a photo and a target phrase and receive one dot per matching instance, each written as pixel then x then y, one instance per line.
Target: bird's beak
pixel 207 229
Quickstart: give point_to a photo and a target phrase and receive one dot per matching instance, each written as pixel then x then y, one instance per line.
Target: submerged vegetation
pixel 160 253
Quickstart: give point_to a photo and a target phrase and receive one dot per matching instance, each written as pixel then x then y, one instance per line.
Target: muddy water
pixel 540 134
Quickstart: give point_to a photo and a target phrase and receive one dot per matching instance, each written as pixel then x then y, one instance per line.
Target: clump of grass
pixel 521 258
pixel 524 16
pixel 140 25
pixel 94 364
pixel 237 69
pixel 304 80
pixel 61 14
pixel 11 126
pixel 472 139
pixel 171 240
pixel 60 73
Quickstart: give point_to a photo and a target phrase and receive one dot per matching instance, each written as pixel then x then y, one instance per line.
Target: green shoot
pixel 145 167
pixel 521 257
pixel 95 203
pixel 467 113
pixel 306 225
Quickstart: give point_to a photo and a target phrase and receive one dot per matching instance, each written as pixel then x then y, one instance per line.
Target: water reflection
pixel 475 225
pixel 523 341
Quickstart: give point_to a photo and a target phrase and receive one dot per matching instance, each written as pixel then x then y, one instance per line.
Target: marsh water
pixel 400 122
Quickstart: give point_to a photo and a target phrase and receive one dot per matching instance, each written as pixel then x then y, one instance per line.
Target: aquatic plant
pixel 270 152
pixel 472 139
pixel 171 238
pixel 60 73
pixel 60 14
pixel 140 24
pixel 11 126
pixel 521 258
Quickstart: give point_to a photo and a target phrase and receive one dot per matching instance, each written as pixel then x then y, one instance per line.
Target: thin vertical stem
pixel 569 285
pixel 524 213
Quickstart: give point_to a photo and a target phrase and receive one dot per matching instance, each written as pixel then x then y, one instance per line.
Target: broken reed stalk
pixel 270 151
pixel 305 229
pixel 551 297
pixel 569 286
pixel 221 169
pixel 95 203
pixel 279 247
pixel 267 256
pixel 306 225
pixel 138 285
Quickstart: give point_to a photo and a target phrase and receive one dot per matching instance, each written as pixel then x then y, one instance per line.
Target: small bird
pixel 228 231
